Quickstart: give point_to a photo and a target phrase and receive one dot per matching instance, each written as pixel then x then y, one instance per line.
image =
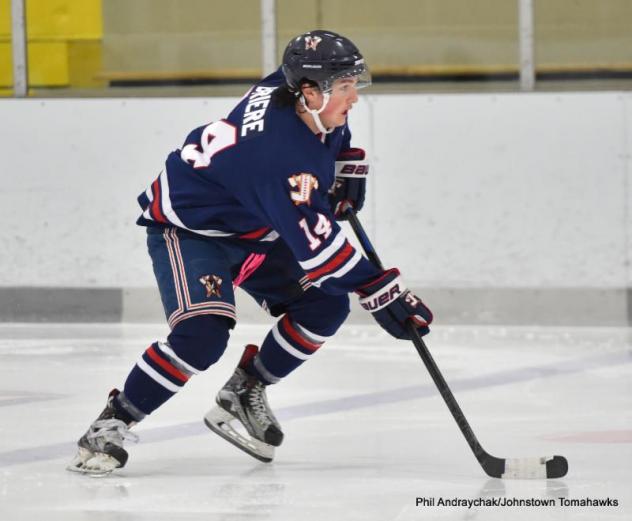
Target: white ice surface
pixel 366 431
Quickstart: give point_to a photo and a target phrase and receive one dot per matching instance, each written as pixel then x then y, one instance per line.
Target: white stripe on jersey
pixel 305 283
pixel 324 255
pixel 167 210
pixel 171 215
pixel 346 268
pixel 270 236
pixel 173 218
pixel 150 195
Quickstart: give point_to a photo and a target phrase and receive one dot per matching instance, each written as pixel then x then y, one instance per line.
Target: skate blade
pixel 92 464
pixel 219 421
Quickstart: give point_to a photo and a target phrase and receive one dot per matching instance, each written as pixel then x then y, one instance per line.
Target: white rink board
pixel 505 190
pixel 508 190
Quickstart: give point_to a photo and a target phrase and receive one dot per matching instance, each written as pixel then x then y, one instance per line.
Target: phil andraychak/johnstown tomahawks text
pixel 515 502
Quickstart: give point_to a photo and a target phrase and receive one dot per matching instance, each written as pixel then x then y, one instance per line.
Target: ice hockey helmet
pixel 323 57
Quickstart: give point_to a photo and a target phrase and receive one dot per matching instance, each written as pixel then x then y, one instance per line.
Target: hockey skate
pixel 101 447
pixel 243 401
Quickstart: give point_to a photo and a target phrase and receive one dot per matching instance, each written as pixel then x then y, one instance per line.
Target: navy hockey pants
pixel 195 277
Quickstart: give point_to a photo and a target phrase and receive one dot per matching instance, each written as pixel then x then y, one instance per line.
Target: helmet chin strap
pixel 315 113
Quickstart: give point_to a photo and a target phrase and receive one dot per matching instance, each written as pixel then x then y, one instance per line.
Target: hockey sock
pixel 285 347
pixel 154 379
pixel 163 369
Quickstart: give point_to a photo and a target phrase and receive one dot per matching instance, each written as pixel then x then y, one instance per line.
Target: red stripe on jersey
pixel 256 234
pixel 346 252
pixel 156 209
pixel 170 368
pixel 297 336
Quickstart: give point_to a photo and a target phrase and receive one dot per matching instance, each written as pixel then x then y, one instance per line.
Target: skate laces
pixel 110 431
pixel 258 403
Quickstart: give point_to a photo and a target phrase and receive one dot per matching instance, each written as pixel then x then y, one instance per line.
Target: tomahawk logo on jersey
pixel 303 184
pixel 224 183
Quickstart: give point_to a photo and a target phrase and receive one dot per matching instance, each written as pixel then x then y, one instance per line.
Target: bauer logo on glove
pixel 382 298
pixel 349 188
pixel 352 169
pixel 393 305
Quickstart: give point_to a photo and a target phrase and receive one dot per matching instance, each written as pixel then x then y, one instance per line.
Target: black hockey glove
pixel 393 305
pixel 350 184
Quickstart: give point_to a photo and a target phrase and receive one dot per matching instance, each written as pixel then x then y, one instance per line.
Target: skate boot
pixel 101 447
pixel 243 401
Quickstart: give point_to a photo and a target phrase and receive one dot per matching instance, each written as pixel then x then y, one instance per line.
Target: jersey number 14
pixel 322 229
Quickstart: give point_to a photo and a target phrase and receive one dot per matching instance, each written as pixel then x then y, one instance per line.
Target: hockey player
pixel 251 200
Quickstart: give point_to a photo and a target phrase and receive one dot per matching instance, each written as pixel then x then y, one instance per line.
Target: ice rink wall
pixel 499 209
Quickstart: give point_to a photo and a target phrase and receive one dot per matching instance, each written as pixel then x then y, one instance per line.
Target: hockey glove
pixel 393 305
pixel 350 184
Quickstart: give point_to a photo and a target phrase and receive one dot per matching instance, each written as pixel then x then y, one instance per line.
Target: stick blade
pixel 556 467
pixel 550 467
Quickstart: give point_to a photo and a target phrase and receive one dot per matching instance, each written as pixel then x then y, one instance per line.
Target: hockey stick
pixel 516 468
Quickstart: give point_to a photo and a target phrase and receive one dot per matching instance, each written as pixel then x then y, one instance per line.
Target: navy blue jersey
pixel 258 175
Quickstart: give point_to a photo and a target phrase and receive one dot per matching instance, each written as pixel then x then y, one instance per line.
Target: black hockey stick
pixel 516 468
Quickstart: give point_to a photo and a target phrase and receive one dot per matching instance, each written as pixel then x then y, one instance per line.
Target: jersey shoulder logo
pixel 302 186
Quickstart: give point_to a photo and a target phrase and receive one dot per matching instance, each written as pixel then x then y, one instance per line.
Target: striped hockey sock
pixel 285 348
pixel 158 374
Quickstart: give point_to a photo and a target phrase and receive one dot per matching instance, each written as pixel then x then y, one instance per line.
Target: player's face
pixel 342 97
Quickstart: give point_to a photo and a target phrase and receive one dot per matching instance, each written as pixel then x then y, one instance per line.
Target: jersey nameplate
pixel 255 110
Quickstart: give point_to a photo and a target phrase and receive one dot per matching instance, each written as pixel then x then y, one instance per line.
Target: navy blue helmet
pixel 323 57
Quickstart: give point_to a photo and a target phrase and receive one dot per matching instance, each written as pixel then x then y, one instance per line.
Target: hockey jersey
pixel 257 175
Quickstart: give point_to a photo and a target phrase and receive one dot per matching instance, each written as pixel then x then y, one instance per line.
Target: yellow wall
pixel 75 42
pixel 5 19
pixel 64 39
pixel 180 37
pixel 64 19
